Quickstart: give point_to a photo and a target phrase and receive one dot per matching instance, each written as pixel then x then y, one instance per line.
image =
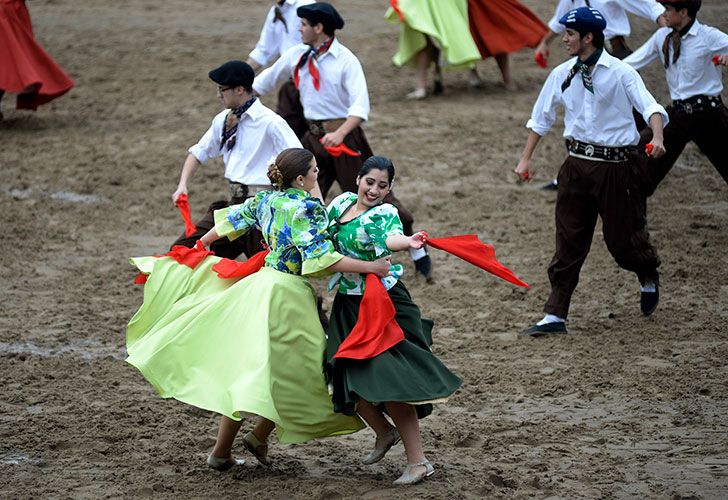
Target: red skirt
pixel 25 68
pixel 503 26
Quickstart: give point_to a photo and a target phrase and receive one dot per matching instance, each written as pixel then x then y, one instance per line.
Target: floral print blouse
pixel 293 226
pixel 363 238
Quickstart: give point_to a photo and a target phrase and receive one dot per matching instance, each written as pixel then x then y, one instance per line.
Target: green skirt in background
pixel 408 372
pixel 236 346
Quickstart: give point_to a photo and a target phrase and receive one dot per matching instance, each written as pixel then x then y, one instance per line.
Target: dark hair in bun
pixel 289 164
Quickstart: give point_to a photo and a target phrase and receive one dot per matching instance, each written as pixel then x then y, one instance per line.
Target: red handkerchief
pixel 189 257
pixel 341 149
pixel 469 248
pixel 228 268
pixel 376 329
pixel 183 205
pixel 395 7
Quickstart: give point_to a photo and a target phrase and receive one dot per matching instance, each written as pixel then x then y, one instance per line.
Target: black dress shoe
pixel 551 186
pixel 543 330
pixel 649 301
pixel 423 266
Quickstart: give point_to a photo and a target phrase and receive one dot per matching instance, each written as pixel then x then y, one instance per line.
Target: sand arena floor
pixel 624 406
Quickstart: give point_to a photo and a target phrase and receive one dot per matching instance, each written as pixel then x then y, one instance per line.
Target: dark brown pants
pixel 248 244
pixel 587 189
pixel 345 169
pixel 289 107
pixel 708 129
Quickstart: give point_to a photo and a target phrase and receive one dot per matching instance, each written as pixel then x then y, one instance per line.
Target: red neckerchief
pixel 312 55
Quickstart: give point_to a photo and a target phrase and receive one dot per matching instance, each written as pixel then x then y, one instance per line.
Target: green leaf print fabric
pixel 294 226
pixel 363 238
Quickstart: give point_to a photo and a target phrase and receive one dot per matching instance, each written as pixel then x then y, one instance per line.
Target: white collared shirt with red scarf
pixel 343 87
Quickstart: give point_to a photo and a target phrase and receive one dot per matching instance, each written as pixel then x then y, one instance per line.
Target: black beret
pixel 324 13
pixel 232 74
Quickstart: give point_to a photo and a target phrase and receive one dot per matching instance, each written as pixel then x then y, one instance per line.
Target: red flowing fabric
pixel 341 149
pixel 228 268
pixel 503 26
pixel 24 63
pixel 376 329
pixel 395 7
pixel 183 204
pixel 469 248
pixel 189 257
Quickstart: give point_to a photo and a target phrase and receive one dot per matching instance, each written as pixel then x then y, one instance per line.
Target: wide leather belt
pixel 697 103
pixel 596 152
pixel 323 127
pixel 238 190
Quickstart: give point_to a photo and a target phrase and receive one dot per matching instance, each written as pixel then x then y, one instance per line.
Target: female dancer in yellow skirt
pixel 255 345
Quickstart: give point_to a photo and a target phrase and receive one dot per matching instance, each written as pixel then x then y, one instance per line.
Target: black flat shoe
pixel 649 301
pixel 543 330
pixel 551 186
pixel 423 266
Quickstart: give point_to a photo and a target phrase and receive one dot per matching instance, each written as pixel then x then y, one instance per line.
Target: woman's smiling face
pixel 373 187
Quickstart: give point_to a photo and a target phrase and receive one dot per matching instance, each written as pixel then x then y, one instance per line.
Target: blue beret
pixel 584 20
pixel 232 74
pixel 322 12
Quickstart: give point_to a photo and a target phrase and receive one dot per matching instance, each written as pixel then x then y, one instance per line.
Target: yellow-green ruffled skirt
pixel 246 346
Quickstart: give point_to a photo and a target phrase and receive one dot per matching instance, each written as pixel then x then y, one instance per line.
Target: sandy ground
pixel 625 406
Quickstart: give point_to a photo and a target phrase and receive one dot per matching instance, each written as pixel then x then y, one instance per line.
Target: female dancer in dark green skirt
pixel 407 378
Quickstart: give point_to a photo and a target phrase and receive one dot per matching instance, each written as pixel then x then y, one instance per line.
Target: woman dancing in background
pixel 252 346
pixel 457 33
pixel 407 378
pixel 27 69
pixel 500 27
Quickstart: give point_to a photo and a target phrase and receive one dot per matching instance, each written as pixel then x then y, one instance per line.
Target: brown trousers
pixel 345 169
pixel 289 107
pixel 708 129
pixel 587 189
pixel 248 244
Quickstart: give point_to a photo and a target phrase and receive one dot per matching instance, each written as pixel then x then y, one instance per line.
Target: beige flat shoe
pixel 417 94
pixel 381 446
pixel 222 463
pixel 257 448
pixel 415 473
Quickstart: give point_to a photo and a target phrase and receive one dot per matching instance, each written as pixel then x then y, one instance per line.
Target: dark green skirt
pixel 408 372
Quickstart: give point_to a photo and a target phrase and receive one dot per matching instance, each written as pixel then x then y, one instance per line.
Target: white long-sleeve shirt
pixel 603 117
pixel 275 37
pixel 614 12
pixel 261 135
pixel 694 72
pixel 343 91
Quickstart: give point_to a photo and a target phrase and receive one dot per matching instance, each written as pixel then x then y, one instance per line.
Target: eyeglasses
pixel 220 90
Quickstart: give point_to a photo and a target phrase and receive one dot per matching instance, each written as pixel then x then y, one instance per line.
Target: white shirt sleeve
pixel 209 145
pixel 717 40
pixel 271 77
pixel 543 115
pixel 283 136
pixel 355 84
pixel 649 9
pixel 267 48
pixel 562 8
pixel 640 98
pixel 648 52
